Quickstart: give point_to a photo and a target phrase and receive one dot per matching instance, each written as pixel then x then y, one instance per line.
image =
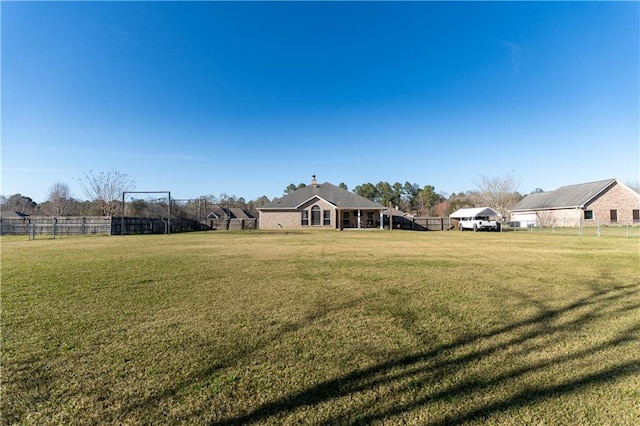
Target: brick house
pixel 605 202
pixel 320 206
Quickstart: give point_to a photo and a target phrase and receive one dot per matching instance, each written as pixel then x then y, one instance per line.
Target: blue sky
pixel 245 98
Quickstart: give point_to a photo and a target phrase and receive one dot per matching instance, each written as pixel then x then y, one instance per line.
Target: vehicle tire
pixel 475 228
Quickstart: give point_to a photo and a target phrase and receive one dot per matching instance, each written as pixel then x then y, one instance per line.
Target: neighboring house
pixel 320 206
pixel 221 217
pixel 607 202
pixel 218 211
pixel 401 220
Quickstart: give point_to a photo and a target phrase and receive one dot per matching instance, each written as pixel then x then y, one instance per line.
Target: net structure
pixel 155 212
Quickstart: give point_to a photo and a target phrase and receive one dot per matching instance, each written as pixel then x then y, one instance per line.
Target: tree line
pixel 104 191
pixel 500 193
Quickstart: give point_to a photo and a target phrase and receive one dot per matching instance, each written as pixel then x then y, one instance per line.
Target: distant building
pixel 320 206
pixel 222 217
pixel 605 202
pixel 219 211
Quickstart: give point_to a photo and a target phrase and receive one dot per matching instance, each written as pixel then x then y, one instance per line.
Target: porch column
pixel 381 220
pixel 358 218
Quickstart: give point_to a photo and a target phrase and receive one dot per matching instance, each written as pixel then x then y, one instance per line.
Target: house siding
pixel 548 218
pixel 280 219
pixel 619 198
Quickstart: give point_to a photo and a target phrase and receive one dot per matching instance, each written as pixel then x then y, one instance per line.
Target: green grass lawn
pixel 222 328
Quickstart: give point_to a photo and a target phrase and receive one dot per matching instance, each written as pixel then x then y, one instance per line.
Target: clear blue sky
pixel 245 98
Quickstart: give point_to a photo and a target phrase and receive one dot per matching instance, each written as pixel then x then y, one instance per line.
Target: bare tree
pixel 546 219
pixel 499 192
pixel 106 188
pixel 59 200
pixel 632 183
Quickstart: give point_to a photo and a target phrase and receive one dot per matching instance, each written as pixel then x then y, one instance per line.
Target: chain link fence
pixel 627 229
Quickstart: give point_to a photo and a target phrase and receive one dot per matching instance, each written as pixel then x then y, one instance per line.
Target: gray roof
pixel 570 196
pixel 222 212
pixel 337 196
pixel 12 214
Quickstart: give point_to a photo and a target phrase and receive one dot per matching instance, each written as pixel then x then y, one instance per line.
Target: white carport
pixel 473 212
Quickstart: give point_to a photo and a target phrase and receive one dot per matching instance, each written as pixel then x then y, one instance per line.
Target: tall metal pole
pixel 122 217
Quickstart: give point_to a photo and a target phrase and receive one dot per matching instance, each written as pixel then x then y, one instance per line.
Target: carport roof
pixel 475 211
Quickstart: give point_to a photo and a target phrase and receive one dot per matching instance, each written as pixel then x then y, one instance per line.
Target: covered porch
pixel 360 219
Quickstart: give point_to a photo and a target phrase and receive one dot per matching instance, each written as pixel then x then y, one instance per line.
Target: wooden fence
pixel 154 225
pixel 232 224
pixel 421 223
pixel 55 226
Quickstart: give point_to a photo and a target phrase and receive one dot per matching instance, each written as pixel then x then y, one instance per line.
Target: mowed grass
pixel 372 327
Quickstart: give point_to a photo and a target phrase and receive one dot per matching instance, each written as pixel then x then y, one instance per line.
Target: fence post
pixel 580 226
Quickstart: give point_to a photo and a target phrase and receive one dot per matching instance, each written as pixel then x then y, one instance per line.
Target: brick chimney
pixel 313 180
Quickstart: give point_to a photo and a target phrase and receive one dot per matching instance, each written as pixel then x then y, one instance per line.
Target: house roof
pixel 475 211
pixel 221 212
pixel 570 196
pixel 12 214
pixel 396 212
pixel 332 194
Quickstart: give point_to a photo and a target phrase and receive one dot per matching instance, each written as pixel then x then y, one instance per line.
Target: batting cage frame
pixel 123 219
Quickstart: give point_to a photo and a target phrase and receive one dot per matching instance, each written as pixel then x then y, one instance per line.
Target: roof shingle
pixel 570 196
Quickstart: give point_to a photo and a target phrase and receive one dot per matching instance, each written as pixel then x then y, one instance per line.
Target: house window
pixel 305 217
pixel 315 216
pixel 345 219
pixel 326 217
pixel 588 214
pixel 613 215
pixel 636 216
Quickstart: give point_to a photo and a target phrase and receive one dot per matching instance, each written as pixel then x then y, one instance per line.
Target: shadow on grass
pixel 210 374
pixel 413 381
